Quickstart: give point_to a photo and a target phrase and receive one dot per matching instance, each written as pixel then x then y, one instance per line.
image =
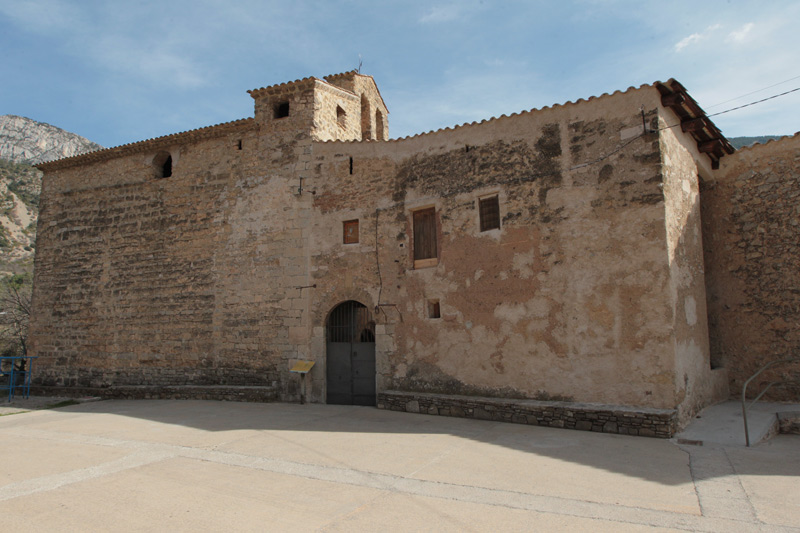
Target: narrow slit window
pixel 350 231
pixel 166 168
pixel 366 130
pixel 379 126
pixel 351 165
pixel 425 246
pixel 489 211
pixel 341 116
pixel 162 164
pixel 433 309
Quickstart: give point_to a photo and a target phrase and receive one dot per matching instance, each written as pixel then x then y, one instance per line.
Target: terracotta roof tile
pixel 148 144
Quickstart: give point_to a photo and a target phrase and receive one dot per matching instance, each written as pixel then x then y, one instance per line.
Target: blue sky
pixel 122 71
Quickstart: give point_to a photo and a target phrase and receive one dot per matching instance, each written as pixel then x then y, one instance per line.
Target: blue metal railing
pixel 15 374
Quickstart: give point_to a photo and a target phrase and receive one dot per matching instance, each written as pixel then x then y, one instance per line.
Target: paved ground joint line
pixel 712 473
pixel 473 494
pixel 56 481
pixel 716 469
pixel 753 510
pixel 148 452
pixel 694 479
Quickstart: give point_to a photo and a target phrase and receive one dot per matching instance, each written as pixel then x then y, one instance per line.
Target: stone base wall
pixel 154 378
pixel 660 423
pixel 789 422
pixel 178 392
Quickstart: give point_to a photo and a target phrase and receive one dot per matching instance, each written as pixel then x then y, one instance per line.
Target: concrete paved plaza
pixel 218 466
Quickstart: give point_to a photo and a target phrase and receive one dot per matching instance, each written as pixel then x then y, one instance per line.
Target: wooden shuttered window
pixel 350 228
pixel 489 209
pixel 425 238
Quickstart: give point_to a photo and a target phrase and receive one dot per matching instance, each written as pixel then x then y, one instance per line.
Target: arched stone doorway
pixel 350 365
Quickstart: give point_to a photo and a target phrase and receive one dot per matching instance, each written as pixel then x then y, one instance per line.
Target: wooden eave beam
pixel 694 124
pixel 710 147
pixel 694 121
pixel 672 100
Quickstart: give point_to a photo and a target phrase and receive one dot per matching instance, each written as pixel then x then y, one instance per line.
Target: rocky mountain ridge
pixel 23 140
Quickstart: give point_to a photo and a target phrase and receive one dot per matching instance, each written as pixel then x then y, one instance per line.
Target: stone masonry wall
pixel 570 299
pixel 224 273
pixel 183 280
pixel 130 271
pixel 659 423
pixel 337 114
pixel 696 383
pixel 751 231
pixel 198 279
pixel 371 103
pixel 165 392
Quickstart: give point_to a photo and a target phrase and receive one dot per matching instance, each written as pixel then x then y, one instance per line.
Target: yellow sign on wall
pixel 302 367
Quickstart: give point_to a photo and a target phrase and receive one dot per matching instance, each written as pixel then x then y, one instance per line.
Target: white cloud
pixel 683 43
pixel 152 55
pixel 125 40
pixel 741 34
pixel 157 63
pixel 42 15
pixel 439 14
pixel 696 37
pixel 460 97
pixel 452 11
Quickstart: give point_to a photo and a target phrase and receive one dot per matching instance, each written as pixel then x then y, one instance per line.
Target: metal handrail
pixel 744 392
pixel 13 373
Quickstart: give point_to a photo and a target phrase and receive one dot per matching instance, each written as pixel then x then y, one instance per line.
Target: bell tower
pixel 372 111
pixel 341 107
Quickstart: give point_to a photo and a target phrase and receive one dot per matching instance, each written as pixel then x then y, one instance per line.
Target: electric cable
pixel 753 92
pixel 734 108
pixel 753 103
pixel 617 149
pixel 620 147
pixel 378 264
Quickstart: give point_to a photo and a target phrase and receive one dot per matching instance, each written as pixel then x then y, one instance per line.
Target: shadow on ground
pixel 655 460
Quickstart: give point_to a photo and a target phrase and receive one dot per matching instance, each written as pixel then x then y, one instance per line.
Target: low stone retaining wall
pixel 178 392
pixel 789 422
pixel 645 422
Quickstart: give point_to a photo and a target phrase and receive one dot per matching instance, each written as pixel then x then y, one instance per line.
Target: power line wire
pixel 753 103
pixel 734 108
pixel 623 145
pixel 617 149
pixel 754 92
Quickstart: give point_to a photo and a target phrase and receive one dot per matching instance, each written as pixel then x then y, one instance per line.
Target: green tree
pixel 15 312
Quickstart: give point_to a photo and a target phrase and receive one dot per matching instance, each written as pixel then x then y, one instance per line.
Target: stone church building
pixel 610 264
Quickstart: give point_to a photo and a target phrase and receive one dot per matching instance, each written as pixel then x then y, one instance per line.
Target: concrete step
pixel 722 424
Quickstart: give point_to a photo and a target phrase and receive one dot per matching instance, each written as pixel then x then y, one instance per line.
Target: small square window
pixel 281 109
pixel 350 231
pixel 433 309
pixel 489 210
